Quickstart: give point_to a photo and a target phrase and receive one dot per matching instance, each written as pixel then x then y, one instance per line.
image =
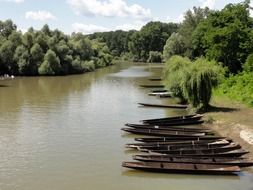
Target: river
pixel 62 133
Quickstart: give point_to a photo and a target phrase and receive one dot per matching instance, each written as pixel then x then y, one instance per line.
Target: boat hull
pixel 162 133
pixel 218 161
pixel 164 106
pixel 183 168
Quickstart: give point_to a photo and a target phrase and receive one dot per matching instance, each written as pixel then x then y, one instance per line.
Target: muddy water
pixel 61 133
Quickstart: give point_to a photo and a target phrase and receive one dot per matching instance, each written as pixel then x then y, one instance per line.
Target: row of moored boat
pixel 180 146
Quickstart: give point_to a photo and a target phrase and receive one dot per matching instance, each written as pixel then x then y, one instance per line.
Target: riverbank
pixel 232 119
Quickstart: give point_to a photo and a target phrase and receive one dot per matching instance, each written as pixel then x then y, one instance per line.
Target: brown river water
pixel 62 133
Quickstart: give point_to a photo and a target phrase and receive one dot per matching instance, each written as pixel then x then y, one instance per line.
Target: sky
pixel 88 16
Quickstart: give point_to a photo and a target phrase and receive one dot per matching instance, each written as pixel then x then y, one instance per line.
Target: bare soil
pixel 233 120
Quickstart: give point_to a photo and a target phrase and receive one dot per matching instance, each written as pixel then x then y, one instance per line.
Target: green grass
pixel 238 87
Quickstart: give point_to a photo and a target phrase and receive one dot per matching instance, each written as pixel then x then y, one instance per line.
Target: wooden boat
pixel 174 143
pixel 161 90
pixel 160 94
pixel 173 139
pixel 186 168
pixel 155 79
pixel 178 123
pixel 164 106
pixel 208 153
pixel 164 121
pixel 218 144
pixel 152 86
pixel 192 149
pixel 176 118
pixel 169 128
pixel 241 162
pixel 162 133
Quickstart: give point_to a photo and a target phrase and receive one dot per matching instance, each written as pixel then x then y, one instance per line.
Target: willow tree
pixel 175 67
pixel 199 80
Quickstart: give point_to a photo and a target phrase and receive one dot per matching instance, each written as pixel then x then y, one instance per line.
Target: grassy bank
pixel 237 88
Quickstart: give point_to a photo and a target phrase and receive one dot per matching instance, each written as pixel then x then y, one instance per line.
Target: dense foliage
pixel 152 37
pixel 222 36
pixel 226 36
pixel 192 19
pixel 174 70
pixel 238 87
pixel 175 45
pixel 117 41
pixel 155 57
pixel 192 81
pixel 48 52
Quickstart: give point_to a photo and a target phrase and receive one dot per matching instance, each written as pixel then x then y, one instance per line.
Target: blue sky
pixel 89 16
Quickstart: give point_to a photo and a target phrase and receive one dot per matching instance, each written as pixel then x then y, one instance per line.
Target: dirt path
pixel 232 120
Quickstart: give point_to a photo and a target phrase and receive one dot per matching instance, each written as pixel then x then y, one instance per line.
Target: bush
pixel 238 87
pixel 248 66
pixel 155 57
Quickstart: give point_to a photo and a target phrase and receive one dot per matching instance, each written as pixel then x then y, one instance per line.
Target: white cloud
pixel 88 28
pixel 134 26
pixel 39 15
pixel 109 8
pixel 14 1
pixel 178 19
pixel 251 9
pixel 23 30
pixel 208 3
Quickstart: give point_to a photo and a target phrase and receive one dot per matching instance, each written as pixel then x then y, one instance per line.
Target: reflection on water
pixel 64 133
pixel 133 72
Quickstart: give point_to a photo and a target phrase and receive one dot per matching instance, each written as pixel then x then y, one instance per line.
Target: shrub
pixel 155 57
pixel 238 87
pixel 248 66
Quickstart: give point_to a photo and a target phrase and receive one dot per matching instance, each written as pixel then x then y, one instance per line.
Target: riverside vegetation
pixel 209 49
pixel 47 52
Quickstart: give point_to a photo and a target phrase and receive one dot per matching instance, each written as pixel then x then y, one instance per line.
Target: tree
pixel 51 64
pixel 7 50
pixel 36 57
pixel 226 36
pixel 22 58
pixel 192 81
pixel 173 73
pixel 192 18
pixel 174 46
pixel 6 28
pixel 152 37
pixel 199 80
pixel 155 57
pixel 27 40
pixel 117 41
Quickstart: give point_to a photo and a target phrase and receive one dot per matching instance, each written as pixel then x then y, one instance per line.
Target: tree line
pixel 49 52
pixel 206 38
pixel 215 48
